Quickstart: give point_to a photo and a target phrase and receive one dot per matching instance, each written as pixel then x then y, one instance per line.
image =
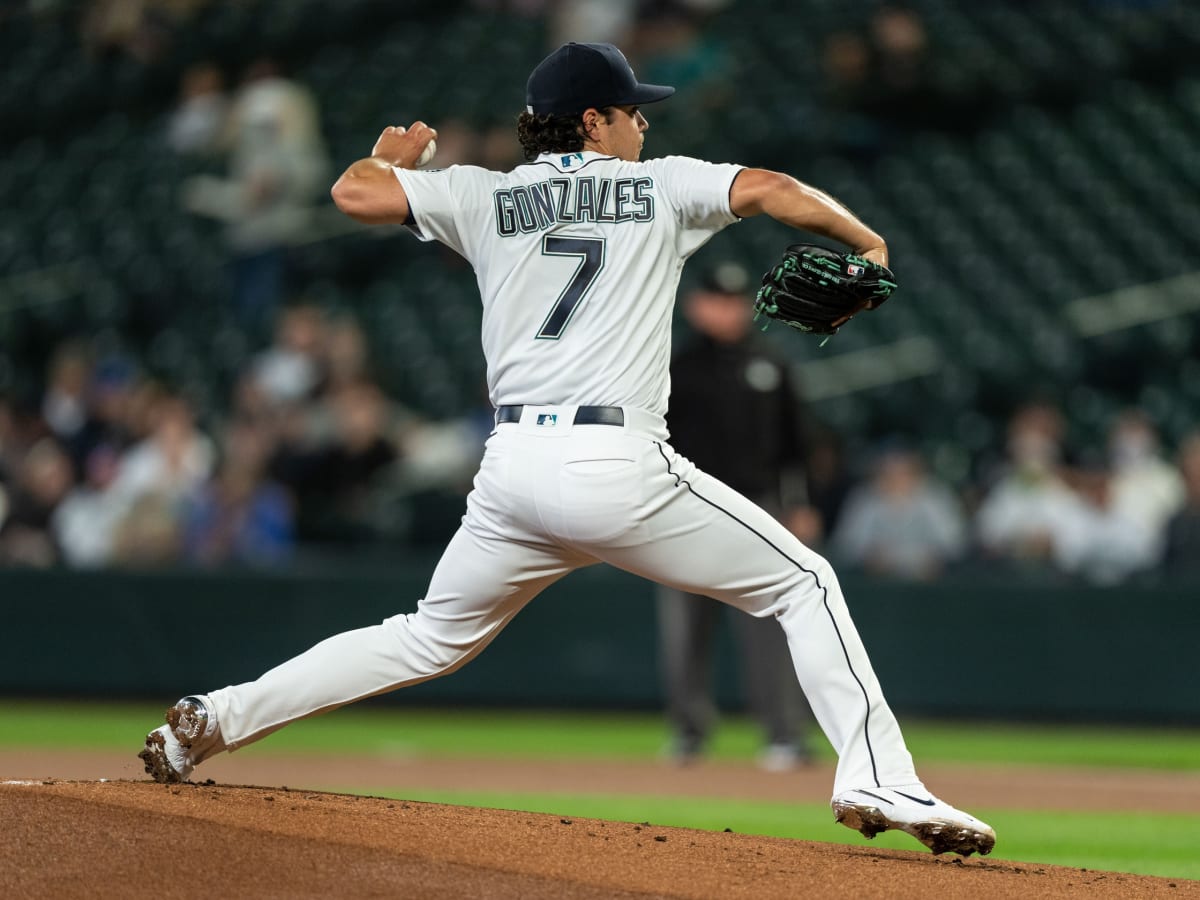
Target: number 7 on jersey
pixel 591 260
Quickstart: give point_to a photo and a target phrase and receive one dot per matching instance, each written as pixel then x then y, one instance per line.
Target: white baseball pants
pixel 553 497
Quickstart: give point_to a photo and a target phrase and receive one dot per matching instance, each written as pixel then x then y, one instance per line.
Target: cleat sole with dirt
pixel 939 836
pixel 155 758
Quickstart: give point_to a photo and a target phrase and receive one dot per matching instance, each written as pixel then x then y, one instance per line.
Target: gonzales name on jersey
pixel 536 207
pixel 577 257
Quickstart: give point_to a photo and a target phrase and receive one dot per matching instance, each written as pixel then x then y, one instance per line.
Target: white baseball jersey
pixel 578 257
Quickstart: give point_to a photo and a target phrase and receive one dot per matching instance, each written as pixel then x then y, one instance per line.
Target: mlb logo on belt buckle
pixel 550 419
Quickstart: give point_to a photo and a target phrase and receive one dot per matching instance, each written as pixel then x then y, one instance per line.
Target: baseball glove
pixel 817 290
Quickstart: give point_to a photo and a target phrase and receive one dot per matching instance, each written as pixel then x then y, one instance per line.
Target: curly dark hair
pixel 552 134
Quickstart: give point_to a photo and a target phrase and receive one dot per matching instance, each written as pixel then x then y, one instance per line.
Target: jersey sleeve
pixel 698 193
pixel 439 202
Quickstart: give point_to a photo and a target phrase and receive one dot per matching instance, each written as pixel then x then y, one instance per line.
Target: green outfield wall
pixel 981 645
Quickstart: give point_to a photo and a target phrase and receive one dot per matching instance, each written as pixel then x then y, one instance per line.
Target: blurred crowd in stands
pixel 112 468
pixel 1102 514
pixel 874 74
pixel 269 135
pixel 111 465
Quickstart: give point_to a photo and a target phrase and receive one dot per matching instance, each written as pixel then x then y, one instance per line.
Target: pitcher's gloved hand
pixel 817 290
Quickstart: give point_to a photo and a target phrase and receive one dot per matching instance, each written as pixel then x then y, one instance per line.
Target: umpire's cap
pixel 576 77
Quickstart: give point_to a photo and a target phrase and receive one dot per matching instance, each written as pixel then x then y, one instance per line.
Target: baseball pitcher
pixel 578 254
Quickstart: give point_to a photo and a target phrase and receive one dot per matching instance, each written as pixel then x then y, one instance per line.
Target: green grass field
pixel 1128 842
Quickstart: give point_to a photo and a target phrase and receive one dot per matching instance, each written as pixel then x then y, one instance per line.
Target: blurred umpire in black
pixel 736 415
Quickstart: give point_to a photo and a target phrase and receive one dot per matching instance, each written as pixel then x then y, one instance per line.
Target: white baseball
pixel 428 154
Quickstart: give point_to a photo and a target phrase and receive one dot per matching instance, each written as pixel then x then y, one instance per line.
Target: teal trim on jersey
pixel 581 282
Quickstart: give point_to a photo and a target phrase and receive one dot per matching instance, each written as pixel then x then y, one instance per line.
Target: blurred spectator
pixel 1145 487
pixel 1099 542
pixel 87 404
pixel 1040 511
pixel 901 48
pixel 290 369
pixel 901 85
pixel 198 121
pixel 734 412
pixel 1024 512
pixel 239 516
pixel 110 404
pixel 65 401
pixel 277 169
pixel 1181 554
pixel 141 409
pixel 902 523
pixel 155 479
pixel 148 534
pixel 345 359
pixel 21 428
pixel 171 463
pixel 44 478
pixel 251 404
pixel 86 522
pixel 332 475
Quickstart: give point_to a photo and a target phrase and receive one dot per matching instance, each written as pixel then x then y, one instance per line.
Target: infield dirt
pixel 121 839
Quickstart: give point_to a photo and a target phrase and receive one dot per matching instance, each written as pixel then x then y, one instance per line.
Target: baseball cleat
pixel 190 735
pixel 937 825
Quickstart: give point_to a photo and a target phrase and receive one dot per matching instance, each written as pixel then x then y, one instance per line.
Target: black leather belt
pixel 585 415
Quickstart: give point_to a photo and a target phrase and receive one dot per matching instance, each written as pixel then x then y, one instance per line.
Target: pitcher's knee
pixel 809 581
pixel 821 570
pixel 430 645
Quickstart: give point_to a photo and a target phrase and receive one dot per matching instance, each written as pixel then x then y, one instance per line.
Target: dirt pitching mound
pixel 121 839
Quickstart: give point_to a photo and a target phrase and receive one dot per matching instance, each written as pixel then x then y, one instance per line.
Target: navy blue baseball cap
pixel 576 77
